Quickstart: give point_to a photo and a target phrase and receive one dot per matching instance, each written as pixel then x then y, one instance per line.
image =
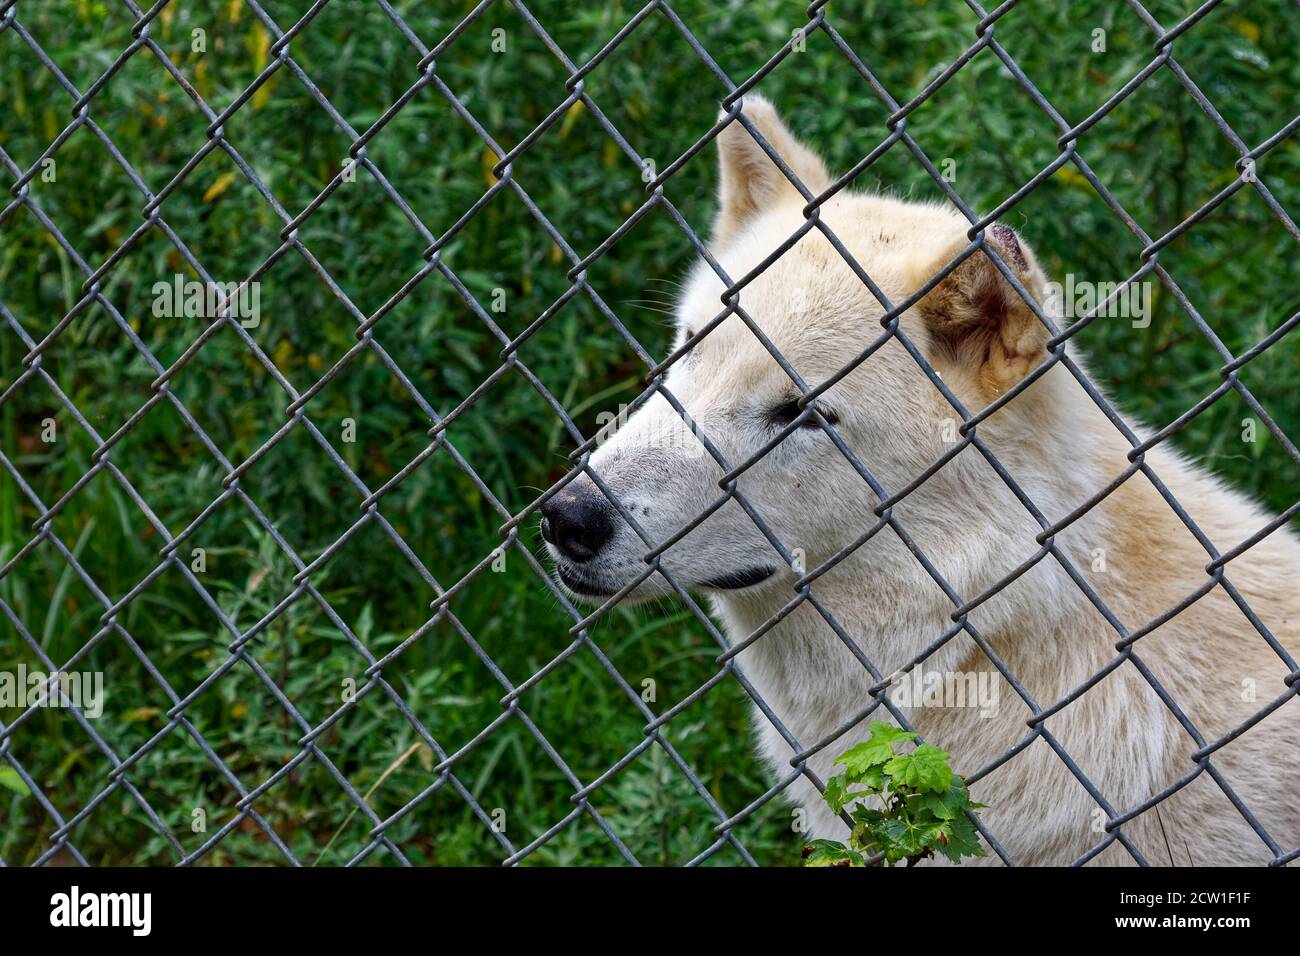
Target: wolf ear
pixel 978 320
pixel 750 182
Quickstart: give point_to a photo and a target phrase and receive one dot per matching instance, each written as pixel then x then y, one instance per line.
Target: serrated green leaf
pixel 867 816
pixel 926 768
pixel 830 853
pixel 931 833
pixel 873 778
pixel 836 794
pixel 960 839
pixel 875 750
pixel 902 837
pixel 950 804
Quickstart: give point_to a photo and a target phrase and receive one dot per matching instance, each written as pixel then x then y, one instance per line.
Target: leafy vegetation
pixel 922 806
pixel 1159 154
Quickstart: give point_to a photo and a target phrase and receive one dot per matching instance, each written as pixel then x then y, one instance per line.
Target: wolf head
pixel 800 299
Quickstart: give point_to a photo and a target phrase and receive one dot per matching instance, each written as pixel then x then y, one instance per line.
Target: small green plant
pixel 921 807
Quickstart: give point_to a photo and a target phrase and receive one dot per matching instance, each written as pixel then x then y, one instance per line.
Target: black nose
pixel 578 523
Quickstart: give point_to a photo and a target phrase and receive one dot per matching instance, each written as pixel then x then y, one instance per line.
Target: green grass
pixel 1159 154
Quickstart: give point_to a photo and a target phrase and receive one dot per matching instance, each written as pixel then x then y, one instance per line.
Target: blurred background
pixel 1159 154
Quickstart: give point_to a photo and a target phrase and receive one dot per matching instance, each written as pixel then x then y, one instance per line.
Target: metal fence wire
pixel 119 784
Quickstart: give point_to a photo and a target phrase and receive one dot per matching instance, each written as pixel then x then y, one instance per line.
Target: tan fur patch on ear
pixel 1013 355
pixel 977 318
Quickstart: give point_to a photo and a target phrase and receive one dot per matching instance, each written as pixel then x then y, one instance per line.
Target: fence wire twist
pixel 444 772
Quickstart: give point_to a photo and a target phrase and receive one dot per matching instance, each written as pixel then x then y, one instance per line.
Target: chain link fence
pixel 443 771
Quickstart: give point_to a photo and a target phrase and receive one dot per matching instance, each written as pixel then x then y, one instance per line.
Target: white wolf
pixel 1130 548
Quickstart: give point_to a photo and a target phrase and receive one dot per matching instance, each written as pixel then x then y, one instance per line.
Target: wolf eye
pixel 783 414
